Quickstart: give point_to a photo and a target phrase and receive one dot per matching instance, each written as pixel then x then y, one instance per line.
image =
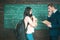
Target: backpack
pixel 20 31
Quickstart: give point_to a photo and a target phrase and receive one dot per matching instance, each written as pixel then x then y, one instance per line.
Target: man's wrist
pixel 50 26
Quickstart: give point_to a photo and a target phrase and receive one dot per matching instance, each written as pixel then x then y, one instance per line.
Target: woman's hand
pixel 35 20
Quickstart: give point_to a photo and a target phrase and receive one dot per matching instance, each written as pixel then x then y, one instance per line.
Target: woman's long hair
pixel 27 12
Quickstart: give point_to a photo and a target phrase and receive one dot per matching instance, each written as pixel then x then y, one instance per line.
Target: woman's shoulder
pixel 27 17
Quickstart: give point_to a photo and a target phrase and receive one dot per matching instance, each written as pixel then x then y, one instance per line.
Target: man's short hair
pixel 51 4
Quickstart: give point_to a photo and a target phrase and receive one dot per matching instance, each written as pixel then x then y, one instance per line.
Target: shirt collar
pixel 54 11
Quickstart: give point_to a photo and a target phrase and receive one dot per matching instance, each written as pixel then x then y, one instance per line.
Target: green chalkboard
pixel 13 13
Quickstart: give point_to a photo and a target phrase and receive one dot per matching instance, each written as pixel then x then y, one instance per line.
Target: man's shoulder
pixel 57 12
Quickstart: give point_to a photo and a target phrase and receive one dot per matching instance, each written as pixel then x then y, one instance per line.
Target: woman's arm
pixel 34 20
pixel 29 20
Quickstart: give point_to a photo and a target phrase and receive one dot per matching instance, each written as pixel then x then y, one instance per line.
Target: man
pixel 53 22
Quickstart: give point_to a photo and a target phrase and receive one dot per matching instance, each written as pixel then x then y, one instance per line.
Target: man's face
pixel 50 9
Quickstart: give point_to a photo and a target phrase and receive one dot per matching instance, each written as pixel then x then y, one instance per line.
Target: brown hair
pixel 27 12
pixel 51 4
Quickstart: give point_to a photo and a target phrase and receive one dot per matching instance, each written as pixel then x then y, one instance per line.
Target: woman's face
pixel 31 11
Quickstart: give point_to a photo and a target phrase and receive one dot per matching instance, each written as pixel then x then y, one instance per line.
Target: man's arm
pixel 57 23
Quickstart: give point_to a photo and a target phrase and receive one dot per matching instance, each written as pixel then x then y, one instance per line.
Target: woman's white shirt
pixel 30 29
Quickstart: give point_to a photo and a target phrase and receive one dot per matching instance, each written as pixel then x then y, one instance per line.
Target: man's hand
pixel 49 14
pixel 47 23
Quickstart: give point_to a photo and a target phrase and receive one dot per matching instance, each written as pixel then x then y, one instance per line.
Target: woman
pixel 30 23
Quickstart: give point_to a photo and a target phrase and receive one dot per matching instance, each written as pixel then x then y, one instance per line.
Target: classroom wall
pixel 10 9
